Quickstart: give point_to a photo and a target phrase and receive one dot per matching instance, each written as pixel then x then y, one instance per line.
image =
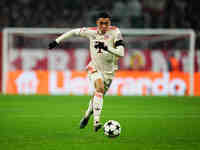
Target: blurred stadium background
pixel 40 104
pixel 157 54
pixel 172 53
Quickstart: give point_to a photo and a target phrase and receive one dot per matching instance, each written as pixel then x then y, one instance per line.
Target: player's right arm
pixel 74 32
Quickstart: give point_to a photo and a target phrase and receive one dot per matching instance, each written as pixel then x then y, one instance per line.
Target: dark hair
pixel 103 15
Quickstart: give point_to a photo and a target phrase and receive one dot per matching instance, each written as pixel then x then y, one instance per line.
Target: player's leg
pixel 88 113
pixel 102 85
pixel 98 102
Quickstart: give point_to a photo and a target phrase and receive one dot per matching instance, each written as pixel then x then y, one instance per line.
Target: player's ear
pixel 97 21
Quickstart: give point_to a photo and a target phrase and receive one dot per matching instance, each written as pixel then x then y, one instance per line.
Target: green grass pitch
pixel 52 123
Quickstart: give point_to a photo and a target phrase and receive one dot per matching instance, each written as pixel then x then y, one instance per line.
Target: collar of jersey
pixel 99 32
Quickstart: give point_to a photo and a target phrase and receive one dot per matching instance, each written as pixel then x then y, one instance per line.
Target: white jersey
pixel 101 60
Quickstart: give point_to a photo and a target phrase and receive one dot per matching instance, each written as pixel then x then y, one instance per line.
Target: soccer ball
pixel 112 128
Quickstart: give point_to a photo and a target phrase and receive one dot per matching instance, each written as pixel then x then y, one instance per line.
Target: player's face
pixel 103 24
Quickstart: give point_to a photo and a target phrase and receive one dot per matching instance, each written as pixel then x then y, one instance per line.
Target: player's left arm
pixel 118 48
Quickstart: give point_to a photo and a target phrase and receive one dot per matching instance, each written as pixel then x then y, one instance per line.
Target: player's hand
pixel 53 44
pixel 100 45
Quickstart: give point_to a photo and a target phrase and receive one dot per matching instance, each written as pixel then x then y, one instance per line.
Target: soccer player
pixel 106 46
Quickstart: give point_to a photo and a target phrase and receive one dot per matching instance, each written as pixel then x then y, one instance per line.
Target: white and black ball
pixel 112 128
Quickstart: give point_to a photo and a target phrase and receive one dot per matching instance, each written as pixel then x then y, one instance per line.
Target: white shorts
pixel 107 79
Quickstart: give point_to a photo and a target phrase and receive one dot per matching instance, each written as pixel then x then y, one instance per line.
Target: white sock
pixel 89 110
pixel 97 106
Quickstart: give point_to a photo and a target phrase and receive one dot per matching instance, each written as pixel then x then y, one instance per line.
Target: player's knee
pixel 99 86
pixel 100 90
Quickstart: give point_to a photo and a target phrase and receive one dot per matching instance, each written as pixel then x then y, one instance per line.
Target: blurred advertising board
pixel 124 83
